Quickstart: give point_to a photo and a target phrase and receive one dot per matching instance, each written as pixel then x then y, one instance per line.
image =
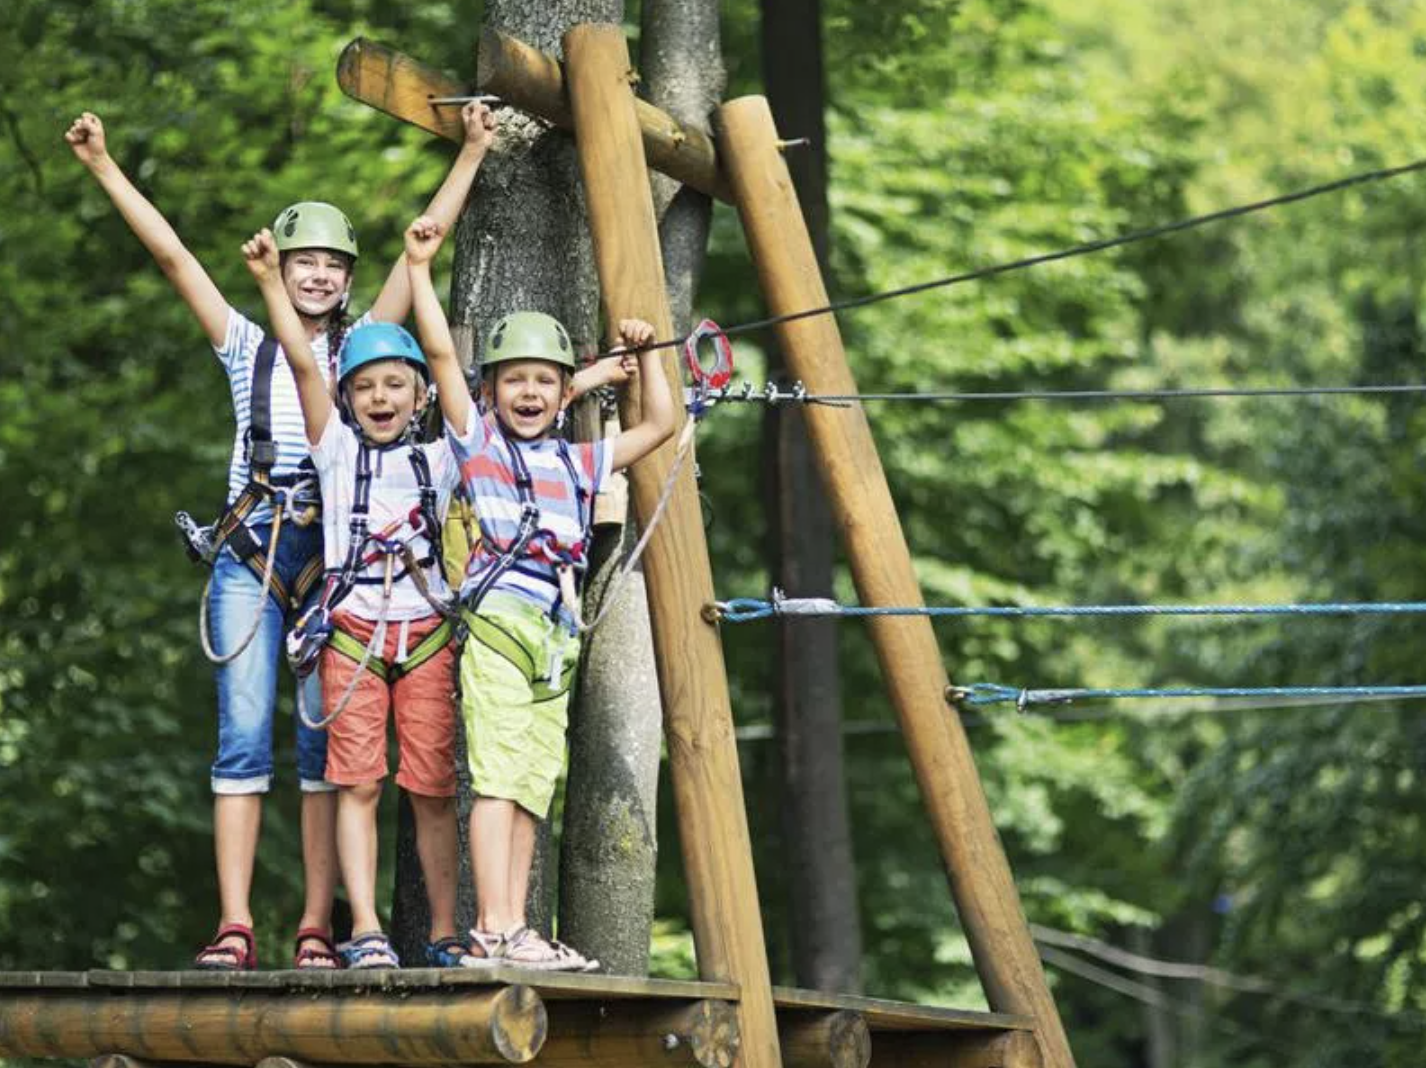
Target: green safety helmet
pixel 313 224
pixel 529 336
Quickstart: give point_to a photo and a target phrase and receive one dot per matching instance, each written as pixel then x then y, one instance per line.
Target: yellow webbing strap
pixel 354 649
pixel 498 640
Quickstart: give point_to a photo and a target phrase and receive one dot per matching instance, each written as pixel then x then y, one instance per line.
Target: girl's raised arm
pixel 86 137
pixel 266 267
pixel 394 301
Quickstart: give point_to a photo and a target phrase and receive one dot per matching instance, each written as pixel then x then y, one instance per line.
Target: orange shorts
pixel 425 706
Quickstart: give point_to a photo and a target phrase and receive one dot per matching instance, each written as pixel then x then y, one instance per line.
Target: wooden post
pixel 501 1026
pixel 629 1034
pixel 838 1039
pixel 906 646
pixel 698 721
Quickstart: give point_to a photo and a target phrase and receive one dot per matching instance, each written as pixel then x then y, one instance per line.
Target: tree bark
pixel 820 873
pixel 522 242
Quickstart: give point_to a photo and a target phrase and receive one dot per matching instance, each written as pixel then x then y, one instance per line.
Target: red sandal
pixel 319 957
pixel 218 957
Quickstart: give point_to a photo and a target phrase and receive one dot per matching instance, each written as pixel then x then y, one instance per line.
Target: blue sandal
pixel 369 951
pixel 454 952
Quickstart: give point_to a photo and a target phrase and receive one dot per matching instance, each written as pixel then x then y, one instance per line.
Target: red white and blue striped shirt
pixel 488 473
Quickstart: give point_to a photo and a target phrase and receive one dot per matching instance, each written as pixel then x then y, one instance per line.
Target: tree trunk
pixel 610 842
pixel 522 242
pixel 817 849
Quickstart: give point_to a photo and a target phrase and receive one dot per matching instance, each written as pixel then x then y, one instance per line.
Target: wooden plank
pixel 883 1015
pixel 553 985
pixel 503 1025
pixel 979 875
pixel 43 980
pixel 698 719
pixel 390 81
pixel 534 82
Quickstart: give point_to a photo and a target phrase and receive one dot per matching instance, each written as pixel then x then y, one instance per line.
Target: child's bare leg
pixel 438 846
pixel 237 819
pixel 356 852
pixel 319 858
pixel 491 822
pixel 522 859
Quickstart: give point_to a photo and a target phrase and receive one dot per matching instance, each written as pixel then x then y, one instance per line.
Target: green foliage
pixel 1285 845
pixel 116 417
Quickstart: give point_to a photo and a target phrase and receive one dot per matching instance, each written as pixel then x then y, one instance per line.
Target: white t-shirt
pixel 238 355
pixel 394 494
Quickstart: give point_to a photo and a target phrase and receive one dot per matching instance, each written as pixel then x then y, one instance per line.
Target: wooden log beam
pixel 698 720
pixel 393 82
pixel 851 470
pixel 824 1040
pixel 506 1025
pixel 965 1049
pixel 533 82
pixel 634 1034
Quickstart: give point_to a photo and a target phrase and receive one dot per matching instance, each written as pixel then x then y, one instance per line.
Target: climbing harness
pixel 702 396
pixel 296 495
pixel 315 628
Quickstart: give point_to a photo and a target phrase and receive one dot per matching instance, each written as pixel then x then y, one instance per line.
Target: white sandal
pixel 526 948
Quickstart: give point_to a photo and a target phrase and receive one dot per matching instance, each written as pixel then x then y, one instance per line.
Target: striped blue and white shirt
pixel 238 354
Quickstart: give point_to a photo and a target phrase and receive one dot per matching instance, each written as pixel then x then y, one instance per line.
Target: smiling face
pixel 317 280
pixel 527 395
pixel 384 396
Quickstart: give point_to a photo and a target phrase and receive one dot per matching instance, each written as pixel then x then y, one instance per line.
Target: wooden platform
pixel 449 1016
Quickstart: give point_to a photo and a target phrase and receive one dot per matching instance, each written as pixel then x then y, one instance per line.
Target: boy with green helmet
pixel 269 475
pixel 532 494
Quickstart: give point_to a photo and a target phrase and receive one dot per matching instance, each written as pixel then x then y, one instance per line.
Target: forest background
pixel 1285 848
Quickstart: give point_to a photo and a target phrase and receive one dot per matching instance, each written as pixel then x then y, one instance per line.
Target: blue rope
pixel 983 694
pixel 748 609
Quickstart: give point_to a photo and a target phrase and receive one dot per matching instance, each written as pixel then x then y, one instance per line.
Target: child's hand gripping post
pixel 263 261
pixel 655 398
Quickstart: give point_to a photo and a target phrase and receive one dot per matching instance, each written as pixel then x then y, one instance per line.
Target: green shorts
pixel 515 715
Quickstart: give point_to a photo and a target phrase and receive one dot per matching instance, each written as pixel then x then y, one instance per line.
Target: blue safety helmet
pixel 381 341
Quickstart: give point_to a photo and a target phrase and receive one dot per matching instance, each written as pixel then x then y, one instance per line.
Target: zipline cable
pixel 983 694
pixel 771 393
pixel 1088 247
pixel 748 609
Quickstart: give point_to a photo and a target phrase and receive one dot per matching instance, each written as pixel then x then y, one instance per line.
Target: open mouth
pixel 382 419
pixel 529 411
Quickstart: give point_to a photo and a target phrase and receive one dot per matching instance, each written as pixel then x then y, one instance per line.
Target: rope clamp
pixel 713 612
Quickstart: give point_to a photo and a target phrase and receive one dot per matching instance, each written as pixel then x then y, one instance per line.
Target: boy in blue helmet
pixel 383 611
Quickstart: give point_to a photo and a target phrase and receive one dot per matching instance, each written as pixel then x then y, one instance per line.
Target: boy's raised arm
pixel 393 303
pixel 657 413
pixel 423 240
pixel 86 138
pixel 266 267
